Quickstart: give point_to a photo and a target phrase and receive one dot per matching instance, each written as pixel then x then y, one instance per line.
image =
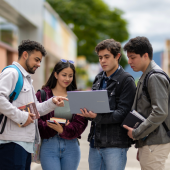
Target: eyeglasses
pixel 65 61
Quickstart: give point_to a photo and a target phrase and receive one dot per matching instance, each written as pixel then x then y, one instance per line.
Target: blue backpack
pixel 14 95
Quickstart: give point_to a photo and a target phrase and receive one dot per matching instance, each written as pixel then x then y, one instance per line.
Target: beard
pixel 29 68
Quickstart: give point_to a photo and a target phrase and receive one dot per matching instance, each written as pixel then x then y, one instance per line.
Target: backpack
pixel 14 95
pixel 43 95
pixel 145 90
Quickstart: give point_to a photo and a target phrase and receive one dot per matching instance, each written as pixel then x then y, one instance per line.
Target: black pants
pixel 14 157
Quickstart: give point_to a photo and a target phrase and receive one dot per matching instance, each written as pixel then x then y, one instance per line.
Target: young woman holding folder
pixel 60 148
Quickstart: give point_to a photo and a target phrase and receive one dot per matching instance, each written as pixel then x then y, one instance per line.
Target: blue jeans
pixel 59 154
pixel 107 158
pixel 14 157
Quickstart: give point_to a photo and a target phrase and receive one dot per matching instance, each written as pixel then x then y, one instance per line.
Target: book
pixel 59 120
pixel 133 119
pixel 31 108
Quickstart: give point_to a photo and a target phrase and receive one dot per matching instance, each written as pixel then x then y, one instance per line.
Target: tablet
pixel 95 101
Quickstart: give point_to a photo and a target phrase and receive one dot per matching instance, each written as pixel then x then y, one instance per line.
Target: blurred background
pixel 70 29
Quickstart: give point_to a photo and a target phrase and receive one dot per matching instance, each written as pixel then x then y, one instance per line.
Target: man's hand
pixel 30 119
pixel 129 131
pixel 59 101
pixel 137 155
pixel 89 114
pixel 57 127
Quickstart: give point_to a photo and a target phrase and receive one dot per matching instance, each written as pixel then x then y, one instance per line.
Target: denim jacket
pixel 13 132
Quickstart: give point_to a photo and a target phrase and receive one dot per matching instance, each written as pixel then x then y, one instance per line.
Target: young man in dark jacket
pixel 108 140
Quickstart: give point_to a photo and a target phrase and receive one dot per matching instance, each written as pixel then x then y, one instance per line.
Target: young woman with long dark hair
pixel 60 149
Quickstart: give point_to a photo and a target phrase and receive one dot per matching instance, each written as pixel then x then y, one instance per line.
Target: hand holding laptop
pixel 94 101
pixel 89 114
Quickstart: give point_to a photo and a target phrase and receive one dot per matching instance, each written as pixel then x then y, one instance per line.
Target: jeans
pixel 107 158
pixel 14 157
pixel 59 154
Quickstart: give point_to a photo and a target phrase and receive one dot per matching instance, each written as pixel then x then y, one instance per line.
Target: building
pixel 34 20
pixel 166 58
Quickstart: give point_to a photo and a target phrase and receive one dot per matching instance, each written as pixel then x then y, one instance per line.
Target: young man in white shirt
pixel 16 143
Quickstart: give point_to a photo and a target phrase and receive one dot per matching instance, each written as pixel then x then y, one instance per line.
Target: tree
pixel 92 21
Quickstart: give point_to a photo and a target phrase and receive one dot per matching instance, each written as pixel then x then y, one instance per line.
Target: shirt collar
pixel 23 71
pixel 105 76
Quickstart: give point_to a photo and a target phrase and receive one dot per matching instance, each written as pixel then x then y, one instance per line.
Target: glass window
pixel 8 33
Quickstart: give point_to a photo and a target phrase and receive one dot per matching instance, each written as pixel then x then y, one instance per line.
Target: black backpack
pixel 145 90
pixel 43 95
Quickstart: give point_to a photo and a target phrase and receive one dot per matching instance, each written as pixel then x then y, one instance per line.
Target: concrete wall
pixel 3 54
pixel 33 11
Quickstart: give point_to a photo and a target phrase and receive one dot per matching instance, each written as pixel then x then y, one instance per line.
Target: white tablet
pixel 95 101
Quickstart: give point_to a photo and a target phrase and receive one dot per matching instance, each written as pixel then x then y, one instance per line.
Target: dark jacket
pixel 108 130
pixel 73 130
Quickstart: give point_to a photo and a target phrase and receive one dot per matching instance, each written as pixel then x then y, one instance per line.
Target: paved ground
pixel 132 163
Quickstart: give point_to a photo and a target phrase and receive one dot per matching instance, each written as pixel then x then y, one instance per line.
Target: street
pixel 132 163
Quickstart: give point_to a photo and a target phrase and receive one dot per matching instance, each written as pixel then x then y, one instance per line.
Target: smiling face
pixel 64 77
pixel 33 61
pixel 107 61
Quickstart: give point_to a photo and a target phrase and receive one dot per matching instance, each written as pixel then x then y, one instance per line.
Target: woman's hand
pixel 68 122
pixel 57 127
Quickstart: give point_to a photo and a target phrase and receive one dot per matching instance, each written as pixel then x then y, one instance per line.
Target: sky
pixel 150 18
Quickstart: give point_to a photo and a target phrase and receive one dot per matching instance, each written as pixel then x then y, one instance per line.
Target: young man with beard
pixel 151 136
pixel 16 143
pixel 109 142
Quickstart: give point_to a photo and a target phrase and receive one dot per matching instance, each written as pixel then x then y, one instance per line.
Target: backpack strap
pixel 43 95
pixel 14 95
pixel 145 90
pixel 120 83
pixel 18 87
pixel 146 79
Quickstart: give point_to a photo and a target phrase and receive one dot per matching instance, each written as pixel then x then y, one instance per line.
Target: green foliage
pixel 123 61
pixel 80 71
pixel 89 83
pixel 92 22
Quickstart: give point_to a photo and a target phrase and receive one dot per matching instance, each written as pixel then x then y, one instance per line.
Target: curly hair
pixel 111 45
pixel 139 45
pixel 29 47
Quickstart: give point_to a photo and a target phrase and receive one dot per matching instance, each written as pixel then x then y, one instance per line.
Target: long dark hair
pixel 52 81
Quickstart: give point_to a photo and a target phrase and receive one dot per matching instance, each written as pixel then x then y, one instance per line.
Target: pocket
pixel 74 140
pixel 45 140
pixel 152 148
pixel 30 129
pixel 112 100
pixel 14 127
pixel 112 93
pixel 25 96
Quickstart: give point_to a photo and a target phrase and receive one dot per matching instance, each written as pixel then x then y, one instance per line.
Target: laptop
pixel 95 101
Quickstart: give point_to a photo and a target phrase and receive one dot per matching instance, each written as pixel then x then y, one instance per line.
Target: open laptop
pixel 95 101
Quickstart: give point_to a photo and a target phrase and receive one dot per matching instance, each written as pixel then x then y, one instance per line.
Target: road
pixel 132 163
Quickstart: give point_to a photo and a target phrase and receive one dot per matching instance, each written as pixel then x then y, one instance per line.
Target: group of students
pixel 109 141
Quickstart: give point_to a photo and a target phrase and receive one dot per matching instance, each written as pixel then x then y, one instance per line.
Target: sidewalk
pixel 132 163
